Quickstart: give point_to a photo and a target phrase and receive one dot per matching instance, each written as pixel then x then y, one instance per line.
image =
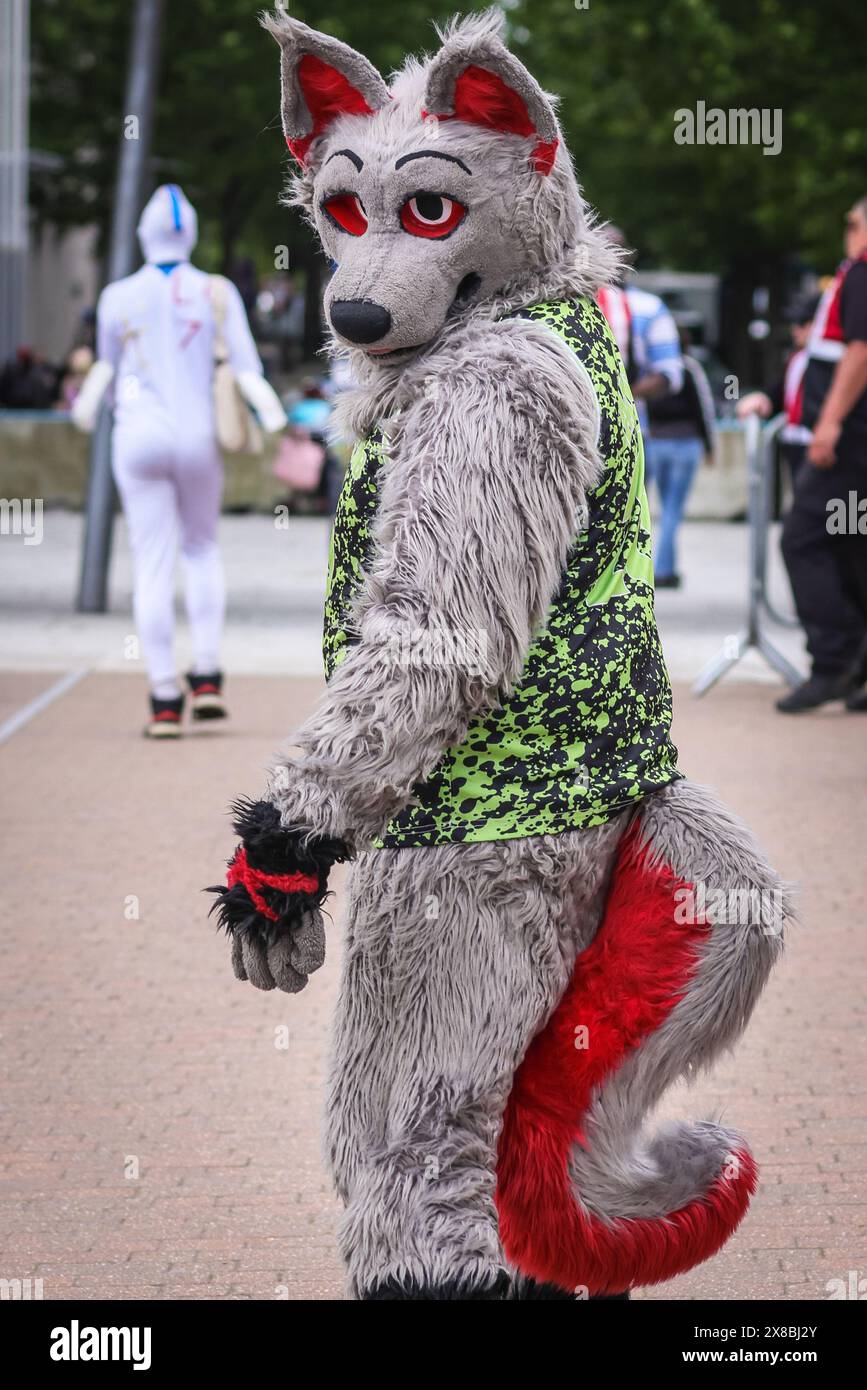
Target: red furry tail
pixel 592 1232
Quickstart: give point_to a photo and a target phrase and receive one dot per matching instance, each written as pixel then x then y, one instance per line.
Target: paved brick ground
pixel 158 1141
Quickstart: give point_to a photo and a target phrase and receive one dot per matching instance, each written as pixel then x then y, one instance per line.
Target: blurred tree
pixel 624 69
pixel 77 81
pixel 621 69
pixel 218 129
pixel 218 126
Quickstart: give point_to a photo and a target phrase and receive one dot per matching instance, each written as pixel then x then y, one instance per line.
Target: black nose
pixel 359 320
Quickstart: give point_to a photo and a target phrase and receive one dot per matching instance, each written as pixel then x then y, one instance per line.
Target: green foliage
pixel 621 67
pixel 77 63
pixel 218 128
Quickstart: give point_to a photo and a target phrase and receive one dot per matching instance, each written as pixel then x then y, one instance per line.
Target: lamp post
pixel 135 140
pixel 14 80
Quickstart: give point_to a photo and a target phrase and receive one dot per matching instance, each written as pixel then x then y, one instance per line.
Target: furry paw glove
pixel 276 882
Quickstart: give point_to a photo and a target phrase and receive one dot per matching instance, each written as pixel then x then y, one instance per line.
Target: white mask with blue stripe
pixel 168 226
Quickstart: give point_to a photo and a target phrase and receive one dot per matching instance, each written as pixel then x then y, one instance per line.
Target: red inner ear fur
pixel 328 94
pixel 483 98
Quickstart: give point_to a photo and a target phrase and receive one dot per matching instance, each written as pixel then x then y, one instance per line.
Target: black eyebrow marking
pixel 432 154
pixel 350 154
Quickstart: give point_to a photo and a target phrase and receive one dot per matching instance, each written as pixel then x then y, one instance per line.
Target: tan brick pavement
pixel 126 1042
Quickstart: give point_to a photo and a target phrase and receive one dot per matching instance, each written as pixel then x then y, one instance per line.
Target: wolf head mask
pixel 450 189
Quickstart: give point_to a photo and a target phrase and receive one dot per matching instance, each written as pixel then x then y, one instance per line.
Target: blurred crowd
pixel 824 436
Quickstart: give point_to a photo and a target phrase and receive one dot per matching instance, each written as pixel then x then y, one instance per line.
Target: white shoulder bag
pixel 237 430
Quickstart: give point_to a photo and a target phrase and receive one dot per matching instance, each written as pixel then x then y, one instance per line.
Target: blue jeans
pixel 671 464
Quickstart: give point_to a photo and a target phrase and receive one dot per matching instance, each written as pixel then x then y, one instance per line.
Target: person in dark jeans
pixel 827 561
pixel 681 428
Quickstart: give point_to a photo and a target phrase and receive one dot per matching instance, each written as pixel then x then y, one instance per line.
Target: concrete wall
pixel 62 281
pixel 44 456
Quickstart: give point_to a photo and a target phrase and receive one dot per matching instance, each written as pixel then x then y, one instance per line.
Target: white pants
pixel 171 486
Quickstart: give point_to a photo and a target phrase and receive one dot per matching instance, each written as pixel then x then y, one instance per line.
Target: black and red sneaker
pixel 207 696
pixel 165 720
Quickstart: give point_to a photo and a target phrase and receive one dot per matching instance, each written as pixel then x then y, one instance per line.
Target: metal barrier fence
pixel 760 443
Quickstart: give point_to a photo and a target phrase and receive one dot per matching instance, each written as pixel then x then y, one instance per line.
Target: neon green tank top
pixel 586 731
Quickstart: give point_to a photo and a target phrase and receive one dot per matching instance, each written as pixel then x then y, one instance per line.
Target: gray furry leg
pixel 456 956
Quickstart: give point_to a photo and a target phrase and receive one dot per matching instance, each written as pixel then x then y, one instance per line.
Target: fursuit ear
pixel 321 79
pixel 474 78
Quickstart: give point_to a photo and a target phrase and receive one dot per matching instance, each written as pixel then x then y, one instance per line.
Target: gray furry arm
pixel 480 501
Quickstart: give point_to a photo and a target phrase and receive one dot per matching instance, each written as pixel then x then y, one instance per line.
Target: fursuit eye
pixel 346 210
pixel 431 215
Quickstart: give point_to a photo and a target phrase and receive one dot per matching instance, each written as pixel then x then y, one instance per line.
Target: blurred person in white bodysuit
pixel 155 349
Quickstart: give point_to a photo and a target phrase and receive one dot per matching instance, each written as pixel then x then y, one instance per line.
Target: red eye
pixel 347 212
pixel 431 215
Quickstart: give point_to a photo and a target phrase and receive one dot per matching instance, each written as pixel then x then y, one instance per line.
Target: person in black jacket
pixel 824 537
pixel 681 429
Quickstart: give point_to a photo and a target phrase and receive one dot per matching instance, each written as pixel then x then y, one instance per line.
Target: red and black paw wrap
pixel 275 876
